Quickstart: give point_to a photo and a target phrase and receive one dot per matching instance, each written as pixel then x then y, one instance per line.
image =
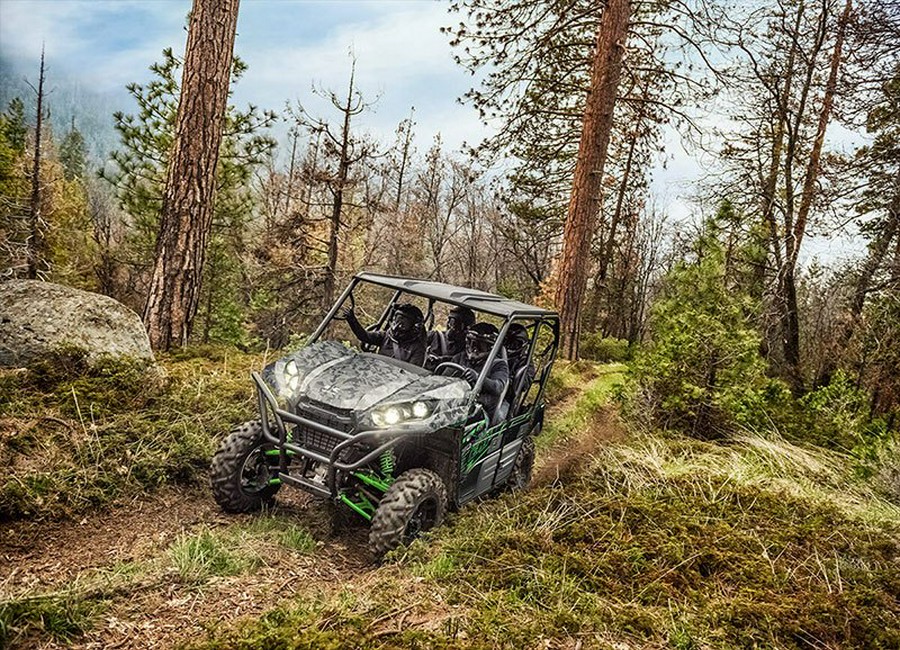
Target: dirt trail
pixel 156 609
pixel 567 460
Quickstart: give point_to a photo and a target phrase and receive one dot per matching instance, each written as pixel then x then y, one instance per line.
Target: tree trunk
pixel 36 241
pixel 585 200
pixel 187 207
pixel 812 169
pixel 789 316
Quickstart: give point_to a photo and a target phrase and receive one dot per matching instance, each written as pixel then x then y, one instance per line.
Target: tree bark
pixel 585 200
pixel 187 209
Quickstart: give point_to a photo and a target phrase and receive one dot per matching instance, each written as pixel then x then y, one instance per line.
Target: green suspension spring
pixel 387 464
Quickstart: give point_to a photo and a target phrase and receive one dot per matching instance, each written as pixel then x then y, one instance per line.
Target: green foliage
pixel 701 372
pixel 14 190
pixel 76 435
pixel 879 348
pixel 597 347
pixel 73 155
pixel 198 557
pixel 838 414
pixel 63 617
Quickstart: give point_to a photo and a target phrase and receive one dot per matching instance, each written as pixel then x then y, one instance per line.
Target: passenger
pixel 479 340
pixel 443 346
pixel 516 344
pixel 404 338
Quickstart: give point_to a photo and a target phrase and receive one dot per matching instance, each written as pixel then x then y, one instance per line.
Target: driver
pixel 443 346
pixel 480 338
pixel 404 338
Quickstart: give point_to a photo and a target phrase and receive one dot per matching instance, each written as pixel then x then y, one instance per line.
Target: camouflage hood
pixel 331 374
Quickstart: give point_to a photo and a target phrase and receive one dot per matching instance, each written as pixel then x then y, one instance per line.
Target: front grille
pixel 317 441
pixel 320 441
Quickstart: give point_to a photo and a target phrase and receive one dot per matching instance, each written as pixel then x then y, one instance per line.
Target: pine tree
pixel 138 177
pixel 701 371
pixel 73 154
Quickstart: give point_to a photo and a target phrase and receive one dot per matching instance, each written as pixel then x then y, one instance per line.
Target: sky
pixel 402 62
pixel 290 45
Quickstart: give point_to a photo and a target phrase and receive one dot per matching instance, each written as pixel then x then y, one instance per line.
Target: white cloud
pixel 402 60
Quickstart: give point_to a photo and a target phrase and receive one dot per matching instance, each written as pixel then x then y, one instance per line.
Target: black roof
pixel 474 299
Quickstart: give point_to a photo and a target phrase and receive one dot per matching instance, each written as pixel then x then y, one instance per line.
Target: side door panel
pixel 479 457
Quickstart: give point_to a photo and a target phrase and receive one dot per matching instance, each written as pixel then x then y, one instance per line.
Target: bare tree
pixel 343 150
pixel 37 244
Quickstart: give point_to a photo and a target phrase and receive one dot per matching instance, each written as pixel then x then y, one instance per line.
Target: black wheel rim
pixel 256 472
pixel 422 519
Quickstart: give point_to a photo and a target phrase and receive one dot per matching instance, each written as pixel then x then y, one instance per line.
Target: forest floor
pixel 627 539
pixel 110 578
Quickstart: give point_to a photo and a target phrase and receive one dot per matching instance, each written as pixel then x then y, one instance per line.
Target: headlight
pixel 292 375
pixel 394 414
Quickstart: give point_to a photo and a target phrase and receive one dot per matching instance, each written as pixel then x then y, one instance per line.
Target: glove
pixel 470 376
pixel 348 314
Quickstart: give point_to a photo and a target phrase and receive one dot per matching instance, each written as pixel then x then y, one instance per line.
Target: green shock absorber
pixel 386 461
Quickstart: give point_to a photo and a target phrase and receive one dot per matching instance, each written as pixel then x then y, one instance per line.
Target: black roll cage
pixel 508 309
pixel 276 432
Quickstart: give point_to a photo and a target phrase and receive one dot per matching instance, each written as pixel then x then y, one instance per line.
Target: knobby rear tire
pixel 520 477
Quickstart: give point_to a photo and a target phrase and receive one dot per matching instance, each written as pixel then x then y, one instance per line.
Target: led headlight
pixel 394 414
pixel 292 375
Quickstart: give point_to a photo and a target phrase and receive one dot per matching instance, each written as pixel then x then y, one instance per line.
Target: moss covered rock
pixel 39 317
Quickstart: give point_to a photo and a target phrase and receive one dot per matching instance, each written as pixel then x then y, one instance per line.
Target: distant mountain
pixel 65 101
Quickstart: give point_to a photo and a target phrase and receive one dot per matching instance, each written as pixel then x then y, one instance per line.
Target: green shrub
pixel 701 372
pixel 596 347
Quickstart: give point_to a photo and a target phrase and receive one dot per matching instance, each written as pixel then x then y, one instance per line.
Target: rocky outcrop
pixel 36 317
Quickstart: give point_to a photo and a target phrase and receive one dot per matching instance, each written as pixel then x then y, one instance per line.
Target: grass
pixel 197 557
pixel 63 617
pixel 661 541
pixel 74 438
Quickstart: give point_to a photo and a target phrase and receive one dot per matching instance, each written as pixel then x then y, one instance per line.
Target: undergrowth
pixel 75 436
pixel 664 541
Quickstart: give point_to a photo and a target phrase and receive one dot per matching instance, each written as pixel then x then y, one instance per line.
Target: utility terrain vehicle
pixel 393 442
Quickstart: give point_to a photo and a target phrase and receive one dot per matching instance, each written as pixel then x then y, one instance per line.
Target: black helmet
pixel 516 341
pixel 407 323
pixel 480 338
pixel 460 319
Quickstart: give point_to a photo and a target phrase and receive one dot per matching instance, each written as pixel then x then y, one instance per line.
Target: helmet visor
pixel 477 347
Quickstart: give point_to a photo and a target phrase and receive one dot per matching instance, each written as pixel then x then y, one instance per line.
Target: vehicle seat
pixel 502 409
pixel 437 342
pixel 516 387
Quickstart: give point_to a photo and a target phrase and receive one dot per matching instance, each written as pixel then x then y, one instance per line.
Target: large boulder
pixel 36 317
